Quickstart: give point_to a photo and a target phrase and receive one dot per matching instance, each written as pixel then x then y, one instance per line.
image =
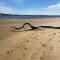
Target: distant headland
pixel 3 15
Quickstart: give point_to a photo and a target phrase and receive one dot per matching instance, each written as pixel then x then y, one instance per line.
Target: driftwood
pixel 24 27
pixel 31 27
pixel 50 27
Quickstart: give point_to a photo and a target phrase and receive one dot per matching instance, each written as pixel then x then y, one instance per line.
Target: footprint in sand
pixel 44 53
pixel 27 41
pixel 44 44
pixel 37 39
pixel 54 34
pixel 50 39
pixel 19 59
pixel 25 48
pixel 40 42
pixel 42 58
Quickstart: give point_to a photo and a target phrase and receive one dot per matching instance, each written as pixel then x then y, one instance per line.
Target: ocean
pixel 30 16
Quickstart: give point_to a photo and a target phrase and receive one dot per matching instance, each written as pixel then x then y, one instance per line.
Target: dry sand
pixel 41 44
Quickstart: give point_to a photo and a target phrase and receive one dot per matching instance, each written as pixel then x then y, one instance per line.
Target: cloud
pixel 5 9
pixel 52 10
pixel 19 1
pixel 56 6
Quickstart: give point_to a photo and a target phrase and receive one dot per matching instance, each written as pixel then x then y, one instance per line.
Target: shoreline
pixel 32 18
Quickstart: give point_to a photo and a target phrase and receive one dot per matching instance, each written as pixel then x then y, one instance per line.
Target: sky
pixel 30 7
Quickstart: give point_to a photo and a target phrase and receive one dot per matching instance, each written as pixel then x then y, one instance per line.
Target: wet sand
pixel 41 44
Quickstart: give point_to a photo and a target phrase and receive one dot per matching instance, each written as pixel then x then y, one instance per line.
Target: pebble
pixel 9 51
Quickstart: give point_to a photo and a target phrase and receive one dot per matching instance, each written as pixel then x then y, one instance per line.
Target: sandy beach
pixel 43 44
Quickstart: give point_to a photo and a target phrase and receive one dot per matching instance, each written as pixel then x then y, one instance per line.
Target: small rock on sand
pixel 9 51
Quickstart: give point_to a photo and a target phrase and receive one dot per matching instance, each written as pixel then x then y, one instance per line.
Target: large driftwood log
pixel 28 26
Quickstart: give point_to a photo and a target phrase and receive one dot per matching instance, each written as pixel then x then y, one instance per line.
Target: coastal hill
pixel 3 15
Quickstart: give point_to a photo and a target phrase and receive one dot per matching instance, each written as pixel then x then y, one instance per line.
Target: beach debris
pixel 9 51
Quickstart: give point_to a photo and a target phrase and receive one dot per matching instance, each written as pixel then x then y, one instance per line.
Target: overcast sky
pixel 30 7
